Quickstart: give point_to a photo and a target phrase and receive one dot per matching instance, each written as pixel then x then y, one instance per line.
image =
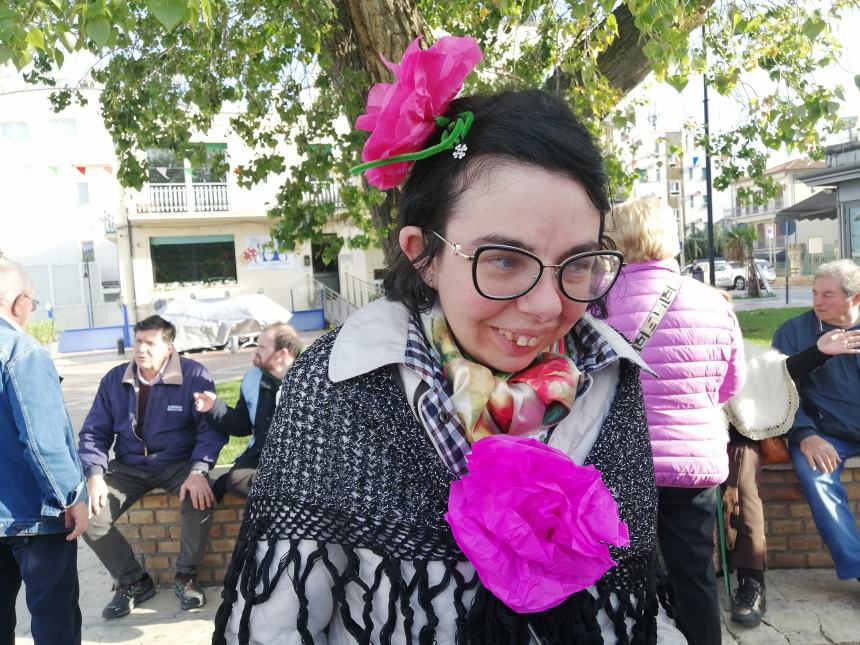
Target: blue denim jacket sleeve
pixel 786 341
pixel 45 430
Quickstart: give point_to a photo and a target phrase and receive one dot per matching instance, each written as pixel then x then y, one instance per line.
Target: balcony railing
pixel 210 197
pixel 324 193
pixel 173 198
pixel 165 198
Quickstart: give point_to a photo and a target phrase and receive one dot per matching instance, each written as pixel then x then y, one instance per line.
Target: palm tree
pixel 738 246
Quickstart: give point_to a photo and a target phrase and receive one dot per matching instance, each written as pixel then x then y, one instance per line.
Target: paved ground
pixel 805 607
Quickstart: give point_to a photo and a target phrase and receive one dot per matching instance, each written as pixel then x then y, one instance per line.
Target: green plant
pixel 229 393
pixel 738 246
pixel 44 331
pixel 759 325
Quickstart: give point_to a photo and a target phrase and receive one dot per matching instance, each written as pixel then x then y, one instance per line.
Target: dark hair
pixel 527 127
pixel 168 331
pixel 286 338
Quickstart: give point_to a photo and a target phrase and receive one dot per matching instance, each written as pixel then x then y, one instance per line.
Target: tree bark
pixel 366 29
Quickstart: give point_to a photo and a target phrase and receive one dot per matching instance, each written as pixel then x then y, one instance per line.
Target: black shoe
pixel 750 604
pixel 189 592
pixel 126 597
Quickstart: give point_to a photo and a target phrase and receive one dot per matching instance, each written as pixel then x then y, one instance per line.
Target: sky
pixel 672 108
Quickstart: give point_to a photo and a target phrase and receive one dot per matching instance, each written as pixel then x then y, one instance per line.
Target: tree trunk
pixel 365 29
pixel 623 63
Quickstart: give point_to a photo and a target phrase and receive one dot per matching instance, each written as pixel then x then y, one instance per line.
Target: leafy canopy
pixel 290 72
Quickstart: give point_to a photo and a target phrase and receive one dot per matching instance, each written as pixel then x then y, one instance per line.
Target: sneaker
pixel 749 604
pixel 189 592
pixel 126 597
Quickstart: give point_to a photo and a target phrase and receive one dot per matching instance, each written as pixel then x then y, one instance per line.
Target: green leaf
pixel 812 27
pixel 168 12
pixel 99 30
pixel 36 38
pixel 678 81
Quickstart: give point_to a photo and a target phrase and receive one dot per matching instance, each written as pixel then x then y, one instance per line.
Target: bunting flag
pixel 695 161
pixel 108 169
pixel 54 169
pixel 81 169
pixel 162 170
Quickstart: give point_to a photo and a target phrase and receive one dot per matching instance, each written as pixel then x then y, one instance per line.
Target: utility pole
pixel 708 189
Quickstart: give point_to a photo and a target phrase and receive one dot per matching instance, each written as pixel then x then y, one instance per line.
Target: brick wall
pixel 792 539
pixel 152 527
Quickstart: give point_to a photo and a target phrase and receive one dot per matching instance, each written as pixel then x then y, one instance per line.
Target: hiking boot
pixel 749 604
pixel 127 597
pixel 189 592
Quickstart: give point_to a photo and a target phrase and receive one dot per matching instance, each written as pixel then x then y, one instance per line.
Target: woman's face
pixel 533 209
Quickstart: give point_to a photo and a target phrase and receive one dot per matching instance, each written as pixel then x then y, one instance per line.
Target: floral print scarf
pixel 490 403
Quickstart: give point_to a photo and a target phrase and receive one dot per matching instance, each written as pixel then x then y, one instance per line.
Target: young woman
pixel 483 335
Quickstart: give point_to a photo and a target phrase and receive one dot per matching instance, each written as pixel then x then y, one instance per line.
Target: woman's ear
pixel 412 243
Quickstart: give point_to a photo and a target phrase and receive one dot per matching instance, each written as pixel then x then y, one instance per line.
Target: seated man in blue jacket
pixel 145 411
pixel 43 497
pixel 277 348
pixel 826 429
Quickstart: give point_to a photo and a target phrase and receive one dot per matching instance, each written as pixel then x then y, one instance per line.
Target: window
pixel 674 187
pixel 83 193
pixel 15 130
pixel 195 258
pixel 209 163
pixel 690 173
pixel 62 128
pixel 164 167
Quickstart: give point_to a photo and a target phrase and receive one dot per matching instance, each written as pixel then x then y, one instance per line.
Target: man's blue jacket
pixel 172 431
pixel 828 395
pixel 40 474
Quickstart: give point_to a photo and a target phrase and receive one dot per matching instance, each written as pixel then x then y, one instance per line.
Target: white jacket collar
pixel 372 337
pixel 375 336
pixel 618 343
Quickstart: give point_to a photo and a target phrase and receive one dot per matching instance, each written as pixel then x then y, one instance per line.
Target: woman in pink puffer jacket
pixel 697 353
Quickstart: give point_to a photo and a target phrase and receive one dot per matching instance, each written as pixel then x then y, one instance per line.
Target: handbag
pixel 774 451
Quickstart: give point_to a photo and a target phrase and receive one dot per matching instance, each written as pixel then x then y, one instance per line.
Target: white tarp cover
pixel 208 323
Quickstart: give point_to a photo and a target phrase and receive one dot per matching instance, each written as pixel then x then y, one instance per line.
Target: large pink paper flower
pixel 533 523
pixel 400 117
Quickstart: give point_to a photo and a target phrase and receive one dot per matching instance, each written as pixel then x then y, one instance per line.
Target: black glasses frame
pixel 456 249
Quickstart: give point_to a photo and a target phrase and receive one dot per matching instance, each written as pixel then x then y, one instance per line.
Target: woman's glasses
pixel 502 272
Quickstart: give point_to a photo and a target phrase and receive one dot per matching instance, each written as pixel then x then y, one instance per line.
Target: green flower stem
pixel 457 131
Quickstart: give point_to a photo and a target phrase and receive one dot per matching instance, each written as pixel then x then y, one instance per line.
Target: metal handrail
pixel 359 292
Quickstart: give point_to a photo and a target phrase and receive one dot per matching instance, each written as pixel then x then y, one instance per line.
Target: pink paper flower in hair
pixel 534 524
pixel 401 116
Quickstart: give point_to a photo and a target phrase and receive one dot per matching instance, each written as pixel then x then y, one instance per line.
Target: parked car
pixel 731 275
pixel 724 273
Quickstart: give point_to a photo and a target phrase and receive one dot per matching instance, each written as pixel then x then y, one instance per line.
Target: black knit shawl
pixel 348 463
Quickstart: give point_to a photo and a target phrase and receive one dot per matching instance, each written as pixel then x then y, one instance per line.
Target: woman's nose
pixel 544 301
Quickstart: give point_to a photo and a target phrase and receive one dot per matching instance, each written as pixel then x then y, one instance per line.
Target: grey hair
pixel 14 280
pixel 845 272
